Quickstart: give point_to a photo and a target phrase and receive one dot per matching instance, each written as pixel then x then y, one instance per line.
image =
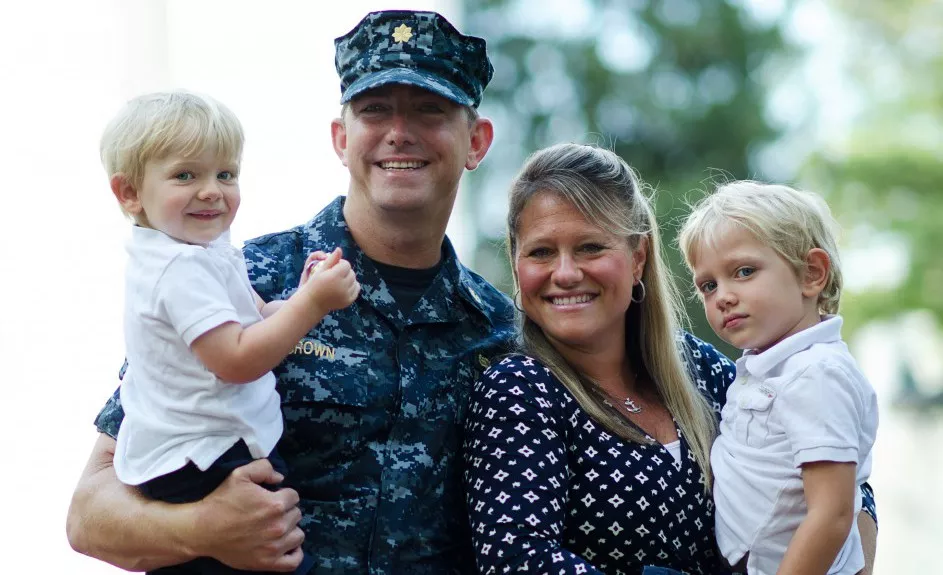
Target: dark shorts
pixel 190 484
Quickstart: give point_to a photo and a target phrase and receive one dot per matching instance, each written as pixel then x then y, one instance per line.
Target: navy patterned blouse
pixel 550 491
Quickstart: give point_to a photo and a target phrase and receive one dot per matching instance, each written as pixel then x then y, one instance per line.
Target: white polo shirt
pixel 176 410
pixel 802 400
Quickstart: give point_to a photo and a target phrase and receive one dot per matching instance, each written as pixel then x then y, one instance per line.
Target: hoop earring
pixel 641 298
pixel 517 306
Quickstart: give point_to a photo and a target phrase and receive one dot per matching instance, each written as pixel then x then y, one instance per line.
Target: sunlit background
pixel 840 96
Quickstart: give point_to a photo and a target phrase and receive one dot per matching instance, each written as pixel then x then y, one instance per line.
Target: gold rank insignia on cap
pixel 402 33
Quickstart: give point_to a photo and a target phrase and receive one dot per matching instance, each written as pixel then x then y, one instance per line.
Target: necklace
pixel 629 405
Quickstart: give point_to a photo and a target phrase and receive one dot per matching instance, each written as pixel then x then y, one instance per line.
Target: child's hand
pixel 329 281
pixel 314 260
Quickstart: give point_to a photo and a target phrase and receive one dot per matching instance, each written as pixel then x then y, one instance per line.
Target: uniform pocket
pixel 326 407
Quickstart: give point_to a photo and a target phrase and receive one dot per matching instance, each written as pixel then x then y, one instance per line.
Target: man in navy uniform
pixel 374 397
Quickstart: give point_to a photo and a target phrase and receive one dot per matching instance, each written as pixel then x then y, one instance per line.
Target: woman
pixel 590 452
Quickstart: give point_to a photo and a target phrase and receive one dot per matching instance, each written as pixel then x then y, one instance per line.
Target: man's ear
pixel 817 266
pixel 126 194
pixel 482 134
pixel 339 139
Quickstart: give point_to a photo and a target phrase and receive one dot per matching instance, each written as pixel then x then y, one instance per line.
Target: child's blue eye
pixel 744 272
pixel 707 287
pixel 226 176
pixel 184 176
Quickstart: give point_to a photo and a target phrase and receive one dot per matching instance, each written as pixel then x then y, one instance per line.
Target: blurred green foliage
pixel 681 90
pixel 885 176
pixel 676 87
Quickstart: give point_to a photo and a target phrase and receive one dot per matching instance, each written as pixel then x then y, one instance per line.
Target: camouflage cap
pixel 415 48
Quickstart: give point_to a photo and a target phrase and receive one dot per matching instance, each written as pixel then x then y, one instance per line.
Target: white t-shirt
pixel 674 448
pixel 176 410
pixel 800 401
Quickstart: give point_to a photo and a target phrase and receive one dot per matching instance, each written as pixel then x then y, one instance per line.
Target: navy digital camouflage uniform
pixel 374 405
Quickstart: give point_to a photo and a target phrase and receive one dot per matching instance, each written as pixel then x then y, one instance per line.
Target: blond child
pixel 800 420
pixel 199 396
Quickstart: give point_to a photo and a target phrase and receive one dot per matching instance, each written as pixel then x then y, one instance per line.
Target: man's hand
pixel 240 523
pixel 869 535
pixel 249 527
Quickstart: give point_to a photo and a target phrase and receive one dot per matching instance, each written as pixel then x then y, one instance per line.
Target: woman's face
pixel 575 278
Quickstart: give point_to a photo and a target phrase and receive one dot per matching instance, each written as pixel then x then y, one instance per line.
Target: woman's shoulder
pixel 710 370
pixel 515 371
pixel 520 365
pixel 520 387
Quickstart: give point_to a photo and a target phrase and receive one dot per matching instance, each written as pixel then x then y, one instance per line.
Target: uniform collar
pixel 460 282
pixel 759 364
pixel 489 303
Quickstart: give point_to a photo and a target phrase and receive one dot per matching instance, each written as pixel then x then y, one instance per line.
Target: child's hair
pixel 153 126
pixel 789 221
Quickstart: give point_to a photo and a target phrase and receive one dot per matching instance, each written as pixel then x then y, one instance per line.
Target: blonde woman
pixel 589 451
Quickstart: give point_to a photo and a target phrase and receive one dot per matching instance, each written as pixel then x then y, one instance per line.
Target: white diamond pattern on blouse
pixel 586 498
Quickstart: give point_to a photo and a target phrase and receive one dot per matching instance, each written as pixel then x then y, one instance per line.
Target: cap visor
pixel 409 77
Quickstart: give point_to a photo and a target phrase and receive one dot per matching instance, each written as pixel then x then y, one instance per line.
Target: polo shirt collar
pixel 143 235
pixel 759 364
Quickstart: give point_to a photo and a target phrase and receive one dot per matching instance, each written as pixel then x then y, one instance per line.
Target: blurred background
pixel 841 97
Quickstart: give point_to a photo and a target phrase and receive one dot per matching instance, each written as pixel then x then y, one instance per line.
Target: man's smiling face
pixel 405 148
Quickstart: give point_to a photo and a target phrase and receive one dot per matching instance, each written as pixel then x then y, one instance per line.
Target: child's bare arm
pixel 240 355
pixel 830 494
pixel 266 309
pixel 259 302
pixel 269 308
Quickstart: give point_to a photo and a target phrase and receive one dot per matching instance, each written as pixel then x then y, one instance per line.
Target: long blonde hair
pixel 607 193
